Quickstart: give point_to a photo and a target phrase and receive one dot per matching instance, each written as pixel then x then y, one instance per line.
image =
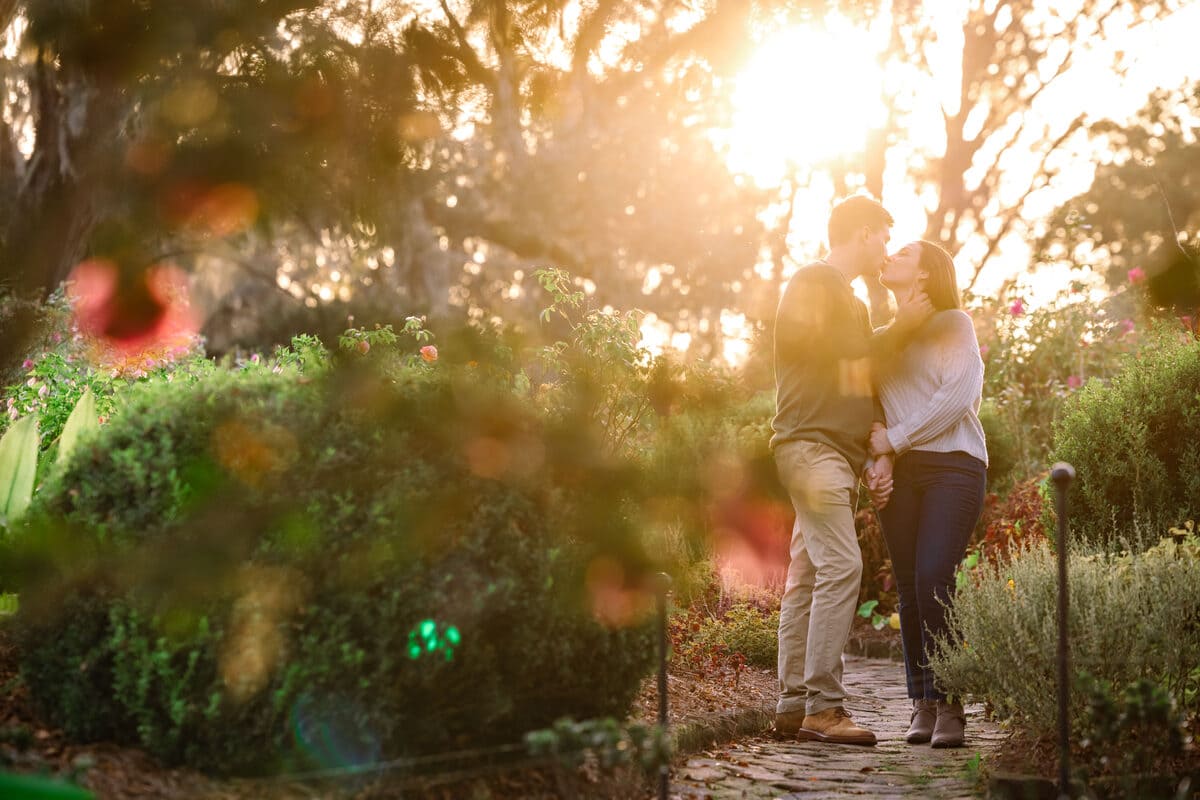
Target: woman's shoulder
pixel 951 319
pixel 952 323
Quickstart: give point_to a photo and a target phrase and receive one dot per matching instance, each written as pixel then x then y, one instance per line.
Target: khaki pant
pixel 823 579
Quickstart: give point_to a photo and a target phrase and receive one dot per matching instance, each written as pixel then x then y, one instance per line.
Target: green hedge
pixel 1135 445
pixel 1132 617
pixel 262 571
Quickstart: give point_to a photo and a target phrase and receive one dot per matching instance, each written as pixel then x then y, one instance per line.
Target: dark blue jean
pixel 927 523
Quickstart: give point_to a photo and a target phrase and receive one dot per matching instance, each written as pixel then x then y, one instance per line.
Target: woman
pixel 930 395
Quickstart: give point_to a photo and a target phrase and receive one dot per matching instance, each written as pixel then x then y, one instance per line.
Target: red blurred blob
pixel 751 541
pixel 130 312
pixel 616 601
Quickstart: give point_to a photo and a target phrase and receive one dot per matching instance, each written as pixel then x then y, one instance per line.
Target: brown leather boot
pixel 787 723
pixel 833 725
pixel 950 728
pixel 924 715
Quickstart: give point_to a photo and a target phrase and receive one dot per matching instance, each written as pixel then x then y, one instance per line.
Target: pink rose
pixel 1074 381
pixel 429 353
pixel 27 364
pixel 983 351
pixel 1017 308
pixel 1136 275
pixel 1127 326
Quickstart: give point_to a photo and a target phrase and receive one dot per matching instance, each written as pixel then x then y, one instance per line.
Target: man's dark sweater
pixel 822 365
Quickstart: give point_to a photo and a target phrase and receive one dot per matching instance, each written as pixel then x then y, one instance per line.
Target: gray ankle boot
pixel 924 714
pixel 950 728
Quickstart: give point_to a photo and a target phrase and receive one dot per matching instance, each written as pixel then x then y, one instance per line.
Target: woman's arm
pixel 961 385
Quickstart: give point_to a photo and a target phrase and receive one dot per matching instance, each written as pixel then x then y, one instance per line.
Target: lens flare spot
pixel 487 457
pixel 219 210
pixel 425 638
pixel 854 377
pixel 191 103
pixel 616 601
pixel 147 157
pixel 253 452
pixel 256 644
pixel 330 732
pixel 419 125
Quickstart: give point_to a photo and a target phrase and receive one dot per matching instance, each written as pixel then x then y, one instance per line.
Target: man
pixel 825 406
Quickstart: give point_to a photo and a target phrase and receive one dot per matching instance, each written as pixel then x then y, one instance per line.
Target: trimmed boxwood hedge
pixel 1135 446
pixel 260 571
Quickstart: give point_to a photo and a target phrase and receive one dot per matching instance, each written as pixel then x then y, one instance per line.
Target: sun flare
pixel 807 95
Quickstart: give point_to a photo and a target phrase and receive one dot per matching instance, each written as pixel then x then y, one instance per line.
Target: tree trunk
pixel 57 203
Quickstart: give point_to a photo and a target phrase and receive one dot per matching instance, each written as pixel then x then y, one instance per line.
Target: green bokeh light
pixel 425 638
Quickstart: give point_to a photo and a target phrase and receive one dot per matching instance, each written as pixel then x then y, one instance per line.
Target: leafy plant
pixel 18 468
pixel 867 611
pixel 82 422
pixel 268 541
pixel 1129 729
pixel 1135 446
pixel 1132 616
pixel 743 631
pixel 613 744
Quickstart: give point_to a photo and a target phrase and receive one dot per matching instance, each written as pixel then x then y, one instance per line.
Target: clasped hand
pixel 879 475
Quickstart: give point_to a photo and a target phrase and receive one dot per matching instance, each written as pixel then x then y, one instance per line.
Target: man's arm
pixel 911 314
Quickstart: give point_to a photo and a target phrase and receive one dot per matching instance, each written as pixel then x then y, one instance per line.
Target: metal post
pixel 664 770
pixel 1062 474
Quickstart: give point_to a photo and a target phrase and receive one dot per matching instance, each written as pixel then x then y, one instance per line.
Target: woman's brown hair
pixel 941 285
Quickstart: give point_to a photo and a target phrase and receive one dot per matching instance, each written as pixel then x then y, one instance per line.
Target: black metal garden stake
pixel 1062 474
pixel 664 770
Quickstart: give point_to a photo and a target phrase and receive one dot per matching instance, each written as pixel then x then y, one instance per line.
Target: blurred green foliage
pixel 249 553
pixel 1135 445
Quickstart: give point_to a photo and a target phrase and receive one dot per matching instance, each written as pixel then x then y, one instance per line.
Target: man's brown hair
pixel 854 213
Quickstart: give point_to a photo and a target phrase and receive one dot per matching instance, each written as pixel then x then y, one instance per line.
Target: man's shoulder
pixel 814 274
pixel 816 270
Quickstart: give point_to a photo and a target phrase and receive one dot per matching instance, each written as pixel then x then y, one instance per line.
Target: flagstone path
pixel 765 768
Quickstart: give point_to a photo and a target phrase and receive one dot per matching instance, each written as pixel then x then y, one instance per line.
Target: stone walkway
pixel 765 768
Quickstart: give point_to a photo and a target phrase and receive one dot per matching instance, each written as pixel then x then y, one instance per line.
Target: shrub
pixel 743 630
pixel 1132 616
pixel 1003 446
pixel 1017 522
pixel 1135 444
pixel 1034 357
pixel 1129 733
pixel 266 569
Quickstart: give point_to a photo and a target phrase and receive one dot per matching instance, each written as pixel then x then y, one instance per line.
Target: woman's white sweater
pixel 932 389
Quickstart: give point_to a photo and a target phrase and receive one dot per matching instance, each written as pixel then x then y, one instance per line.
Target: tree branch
pixel 1042 175
pixel 466 54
